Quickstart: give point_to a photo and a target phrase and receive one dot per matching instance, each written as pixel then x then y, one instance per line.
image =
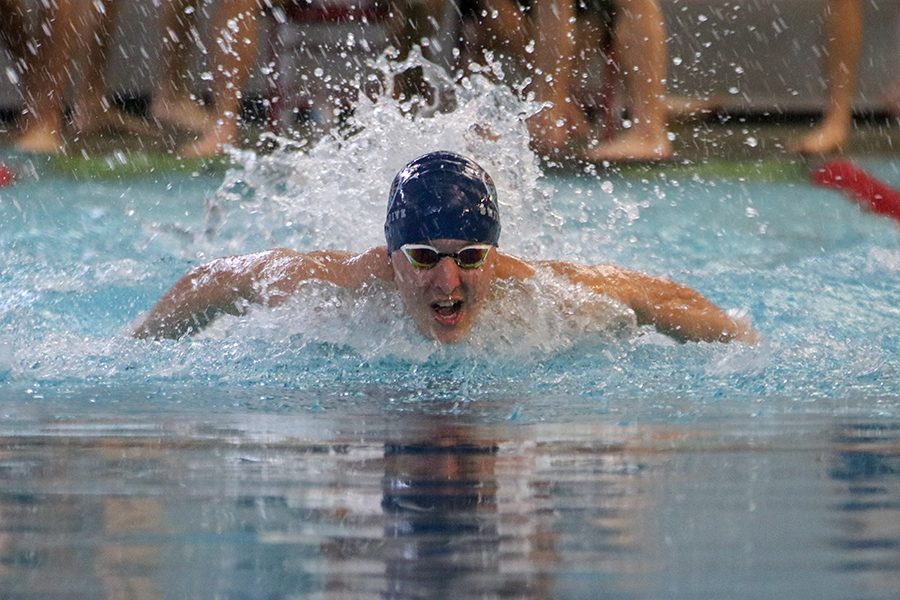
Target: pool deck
pixel 761 61
pixel 720 142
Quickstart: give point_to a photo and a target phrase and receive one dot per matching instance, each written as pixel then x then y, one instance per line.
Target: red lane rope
pixel 7 177
pixel 869 192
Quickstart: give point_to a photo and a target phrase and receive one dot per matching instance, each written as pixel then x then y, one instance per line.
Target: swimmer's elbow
pixel 176 324
pixel 147 330
pixel 142 331
pixel 168 327
pixel 194 302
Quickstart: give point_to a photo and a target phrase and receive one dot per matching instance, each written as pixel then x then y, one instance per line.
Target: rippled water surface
pixel 323 449
pixel 183 494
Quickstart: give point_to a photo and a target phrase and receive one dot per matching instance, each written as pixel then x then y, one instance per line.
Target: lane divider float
pixel 7 177
pixel 868 191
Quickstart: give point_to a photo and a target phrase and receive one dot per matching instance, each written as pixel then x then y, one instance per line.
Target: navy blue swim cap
pixel 442 195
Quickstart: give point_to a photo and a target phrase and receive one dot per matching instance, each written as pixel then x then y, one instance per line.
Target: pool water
pixel 324 449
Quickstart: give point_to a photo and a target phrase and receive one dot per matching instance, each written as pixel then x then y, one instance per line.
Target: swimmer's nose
pixel 446 275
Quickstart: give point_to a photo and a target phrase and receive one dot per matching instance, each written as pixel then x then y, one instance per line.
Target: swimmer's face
pixel 444 301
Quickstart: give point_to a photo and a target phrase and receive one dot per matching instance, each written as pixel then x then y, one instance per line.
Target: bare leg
pixel 92 111
pixel 45 79
pixel 843 45
pixel 14 31
pixel 553 127
pixel 410 24
pixel 891 100
pixel 505 28
pixel 173 104
pixel 687 108
pixel 640 39
pixel 236 26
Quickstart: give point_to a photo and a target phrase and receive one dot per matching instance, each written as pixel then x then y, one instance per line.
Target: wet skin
pixel 444 301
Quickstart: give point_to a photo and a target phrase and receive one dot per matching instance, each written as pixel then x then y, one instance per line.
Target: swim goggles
pixel 422 256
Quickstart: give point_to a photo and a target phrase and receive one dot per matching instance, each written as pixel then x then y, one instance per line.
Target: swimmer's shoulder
pixel 374 263
pixel 508 266
pixel 581 273
pixel 343 268
pixel 512 267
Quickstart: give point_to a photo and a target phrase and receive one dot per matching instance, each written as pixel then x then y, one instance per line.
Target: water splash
pixel 332 193
pixel 78 263
pixel 521 321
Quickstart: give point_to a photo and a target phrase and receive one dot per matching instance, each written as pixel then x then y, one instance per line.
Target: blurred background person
pixel 639 59
pixel 842 49
pixel 554 39
pixel 891 97
pixel 40 52
pixel 93 109
pixel 231 57
pixel 554 35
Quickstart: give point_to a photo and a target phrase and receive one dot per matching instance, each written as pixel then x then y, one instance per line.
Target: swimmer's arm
pixel 673 309
pixel 230 285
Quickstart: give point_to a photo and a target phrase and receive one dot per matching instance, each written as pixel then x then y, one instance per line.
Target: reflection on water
pixel 866 465
pixel 446 505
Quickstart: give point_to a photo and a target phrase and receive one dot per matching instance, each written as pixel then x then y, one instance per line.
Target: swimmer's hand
pixel 745 332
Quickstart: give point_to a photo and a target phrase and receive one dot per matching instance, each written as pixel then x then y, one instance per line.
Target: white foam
pixel 543 315
pixel 333 193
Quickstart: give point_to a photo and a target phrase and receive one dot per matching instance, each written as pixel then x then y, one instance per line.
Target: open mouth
pixel 447 312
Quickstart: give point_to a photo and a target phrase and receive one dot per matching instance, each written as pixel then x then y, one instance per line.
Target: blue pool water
pixel 323 449
pixel 817 276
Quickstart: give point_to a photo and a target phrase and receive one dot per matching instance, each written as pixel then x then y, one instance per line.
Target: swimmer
pixel 442 232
